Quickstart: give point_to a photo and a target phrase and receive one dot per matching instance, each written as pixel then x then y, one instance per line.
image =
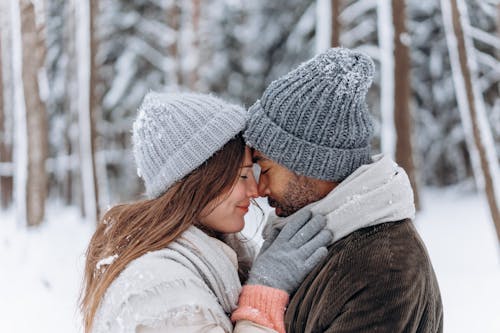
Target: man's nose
pixel 263 188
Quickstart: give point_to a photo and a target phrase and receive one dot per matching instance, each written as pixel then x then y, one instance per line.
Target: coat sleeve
pixel 180 302
pixel 262 305
pixel 246 326
pixel 204 319
pixel 196 310
pixel 206 326
pixel 185 308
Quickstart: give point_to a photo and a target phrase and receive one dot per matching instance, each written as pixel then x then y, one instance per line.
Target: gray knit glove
pixel 296 250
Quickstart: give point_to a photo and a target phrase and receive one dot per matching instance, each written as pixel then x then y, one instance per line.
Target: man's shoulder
pixel 383 270
pixel 393 248
pixel 377 255
pixel 388 258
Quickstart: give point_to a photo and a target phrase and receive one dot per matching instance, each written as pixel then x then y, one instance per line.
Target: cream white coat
pixel 191 286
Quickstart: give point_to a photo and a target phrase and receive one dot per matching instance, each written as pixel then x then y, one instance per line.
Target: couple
pixel 340 254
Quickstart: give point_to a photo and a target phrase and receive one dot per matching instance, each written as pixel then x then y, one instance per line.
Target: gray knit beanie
pixel 174 133
pixel 314 120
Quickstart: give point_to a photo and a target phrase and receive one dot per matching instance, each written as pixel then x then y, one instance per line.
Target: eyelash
pixel 264 172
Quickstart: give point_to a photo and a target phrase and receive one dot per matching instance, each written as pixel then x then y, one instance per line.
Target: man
pixel 311 133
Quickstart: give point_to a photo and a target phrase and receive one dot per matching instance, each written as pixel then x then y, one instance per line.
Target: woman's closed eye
pixel 245 172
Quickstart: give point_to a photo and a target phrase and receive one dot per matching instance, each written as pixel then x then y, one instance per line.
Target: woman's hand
pixel 284 262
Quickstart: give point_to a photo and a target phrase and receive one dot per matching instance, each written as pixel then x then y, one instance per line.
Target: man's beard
pixel 299 193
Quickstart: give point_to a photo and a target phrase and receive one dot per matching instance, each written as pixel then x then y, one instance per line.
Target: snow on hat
pixel 174 133
pixel 314 120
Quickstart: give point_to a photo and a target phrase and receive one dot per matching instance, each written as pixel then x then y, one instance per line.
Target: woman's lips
pixel 243 208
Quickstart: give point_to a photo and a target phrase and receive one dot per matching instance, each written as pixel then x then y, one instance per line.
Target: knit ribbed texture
pixel 314 120
pixel 262 305
pixel 377 279
pixel 174 133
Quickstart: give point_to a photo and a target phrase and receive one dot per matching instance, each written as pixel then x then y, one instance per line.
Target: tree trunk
pixel 6 185
pixel 173 20
pixel 385 28
pixel 85 115
pixel 6 106
pixel 402 114
pixel 95 100
pixel 323 29
pixel 498 48
pixel 335 35
pixel 70 105
pixel 193 73
pixel 470 100
pixel 3 127
pixel 36 119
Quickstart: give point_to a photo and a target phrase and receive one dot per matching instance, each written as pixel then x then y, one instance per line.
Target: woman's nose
pixel 252 190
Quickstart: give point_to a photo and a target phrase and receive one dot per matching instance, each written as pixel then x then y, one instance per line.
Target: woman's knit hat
pixel 174 133
pixel 314 120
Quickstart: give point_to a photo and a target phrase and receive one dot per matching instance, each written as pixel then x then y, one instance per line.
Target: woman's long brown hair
pixel 129 231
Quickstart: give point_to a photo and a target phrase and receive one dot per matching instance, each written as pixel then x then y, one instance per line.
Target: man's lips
pixel 273 203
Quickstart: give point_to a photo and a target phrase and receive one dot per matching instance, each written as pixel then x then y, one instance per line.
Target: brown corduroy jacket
pixel 377 279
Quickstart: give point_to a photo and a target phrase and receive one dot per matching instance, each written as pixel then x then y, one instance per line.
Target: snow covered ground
pixel 41 272
pixel 462 243
pixel 40 269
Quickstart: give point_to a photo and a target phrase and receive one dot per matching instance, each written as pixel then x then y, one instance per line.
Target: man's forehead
pixel 258 156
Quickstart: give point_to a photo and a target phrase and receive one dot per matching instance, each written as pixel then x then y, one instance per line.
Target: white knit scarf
pixel 194 250
pixel 197 251
pixel 373 194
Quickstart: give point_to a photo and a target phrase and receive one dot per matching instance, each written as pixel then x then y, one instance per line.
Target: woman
pixel 162 264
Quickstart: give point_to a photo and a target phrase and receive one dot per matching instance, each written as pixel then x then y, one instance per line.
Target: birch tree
pixel 195 44
pixel 2 117
pixel 6 128
pixel 328 24
pixel 85 112
pixel 5 142
pixel 95 101
pixel 20 130
pixel 386 44
pixel 324 25
pixel 72 187
pixel 496 105
pixel 173 17
pixel 470 101
pixel 31 128
pixel 396 120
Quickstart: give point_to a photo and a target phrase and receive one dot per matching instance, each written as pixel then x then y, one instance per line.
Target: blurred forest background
pixel 74 72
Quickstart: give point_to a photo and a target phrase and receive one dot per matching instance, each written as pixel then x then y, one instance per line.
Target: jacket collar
pixel 375 193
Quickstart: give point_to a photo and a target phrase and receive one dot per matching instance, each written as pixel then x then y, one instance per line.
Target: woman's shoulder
pixel 152 287
pixel 157 269
pixel 162 265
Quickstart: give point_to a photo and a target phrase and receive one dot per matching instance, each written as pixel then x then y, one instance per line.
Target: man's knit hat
pixel 174 133
pixel 314 120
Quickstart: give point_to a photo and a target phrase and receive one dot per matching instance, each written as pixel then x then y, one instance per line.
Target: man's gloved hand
pixel 296 250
